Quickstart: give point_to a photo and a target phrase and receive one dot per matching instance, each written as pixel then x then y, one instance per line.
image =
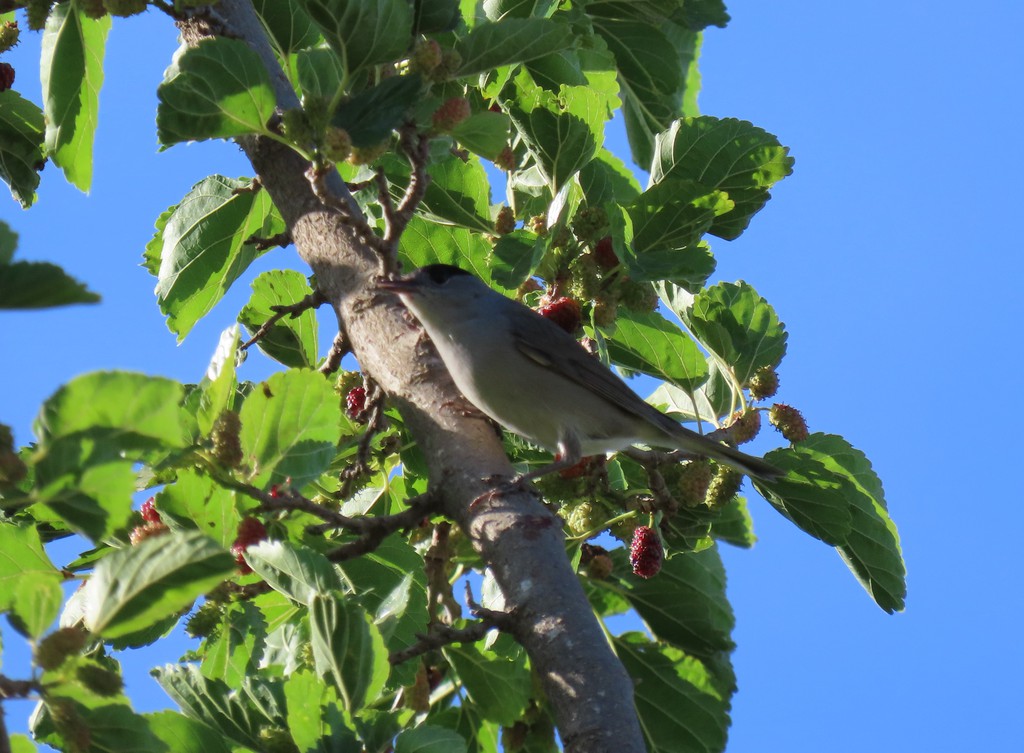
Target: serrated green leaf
pixel 298 572
pixel 316 720
pixel 685 604
pixel 363 32
pixel 29 583
pixel 183 735
pixel 459 193
pixel 292 340
pixel 563 130
pixel 22 154
pixel 513 40
pixel 195 501
pixel 218 386
pixel 727 155
pixel 674 215
pixel 237 714
pixel 203 249
pixel 606 179
pixel 348 645
pixel 499 687
pixel 289 26
pixel 36 285
pixel 236 648
pixel 391 585
pixel 133 588
pixel 88 491
pixel 217 89
pixel 134 407
pixel 71 69
pixel 515 257
pixel 735 525
pixel 811 494
pixel 871 547
pixel 738 325
pixel 648 342
pixel 290 426
pixel 680 708
pixel 425 243
pixel 484 133
pixel 371 116
pixel 431 16
pixel 430 739
pixel 320 72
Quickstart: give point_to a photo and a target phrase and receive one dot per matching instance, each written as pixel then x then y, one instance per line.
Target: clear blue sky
pixel 893 254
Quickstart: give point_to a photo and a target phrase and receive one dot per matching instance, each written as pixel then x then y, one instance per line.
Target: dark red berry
pixel 275 491
pixel 565 312
pixel 506 160
pixel 495 107
pixel 140 533
pixel 451 112
pixel 646 552
pixel 149 513
pixel 250 531
pixel 355 402
pixel 6 76
pixel 604 254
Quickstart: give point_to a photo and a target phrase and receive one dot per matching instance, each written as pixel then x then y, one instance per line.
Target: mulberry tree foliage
pixel 288 525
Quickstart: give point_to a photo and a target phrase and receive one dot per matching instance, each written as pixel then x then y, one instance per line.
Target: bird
pixel 537 380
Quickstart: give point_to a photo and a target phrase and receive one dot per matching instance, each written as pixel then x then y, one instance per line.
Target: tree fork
pixel 588 688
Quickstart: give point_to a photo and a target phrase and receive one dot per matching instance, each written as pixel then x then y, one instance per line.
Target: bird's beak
pixel 398 285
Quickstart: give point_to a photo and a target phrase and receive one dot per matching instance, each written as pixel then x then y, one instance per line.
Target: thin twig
pixel 17 688
pixel 440 636
pixel 339 349
pixel 311 301
pixel 262 244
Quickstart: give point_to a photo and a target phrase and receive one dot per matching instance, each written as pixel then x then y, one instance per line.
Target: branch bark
pixel 589 690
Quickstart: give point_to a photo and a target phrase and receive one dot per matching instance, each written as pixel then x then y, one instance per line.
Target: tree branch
pixel 311 301
pixel 523 543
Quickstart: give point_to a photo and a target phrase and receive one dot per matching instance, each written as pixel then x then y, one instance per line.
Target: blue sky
pixel 893 255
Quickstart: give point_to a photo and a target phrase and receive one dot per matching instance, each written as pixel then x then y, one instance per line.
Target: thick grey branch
pixel 589 690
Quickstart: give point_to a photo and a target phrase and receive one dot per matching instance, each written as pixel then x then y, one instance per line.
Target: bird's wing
pixel 552 347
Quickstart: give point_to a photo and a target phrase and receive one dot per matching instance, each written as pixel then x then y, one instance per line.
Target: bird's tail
pixel 741 461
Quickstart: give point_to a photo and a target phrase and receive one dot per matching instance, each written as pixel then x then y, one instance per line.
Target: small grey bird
pixel 536 380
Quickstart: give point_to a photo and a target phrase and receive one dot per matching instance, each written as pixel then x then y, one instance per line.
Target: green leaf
pixel 195 501
pixel 499 687
pixel 738 325
pixel 563 130
pixel 458 193
pixel 293 339
pixel 436 15
pixel 371 116
pixel 320 72
pixel 727 155
pixel 298 572
pixel 429 739
pixel 348 645
pixel 218 386
pixel 216 90
pixel 289 26
pixel 425 243
pixel 23 744
pixel 22 155
pixel 36 285
pixel 133 588
pixel 71 69
pixel 811 494
pixel 183 735
pixel 200 247
pixel 515 256
pixel 648 342
pixel 392 586
pixel 363 32
pixel 87 490
pixel 315 719
pixel 290 426
pixel 513 40
pixel 735 525
pixel 237 714
pixel 680 708
pixel 135 409
pixel 674 215
pixel 235 651
pixel 685 605
pixel 29 583
pixel 606 179
pixel 871 546
pixel 484 133
pixel 8 243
